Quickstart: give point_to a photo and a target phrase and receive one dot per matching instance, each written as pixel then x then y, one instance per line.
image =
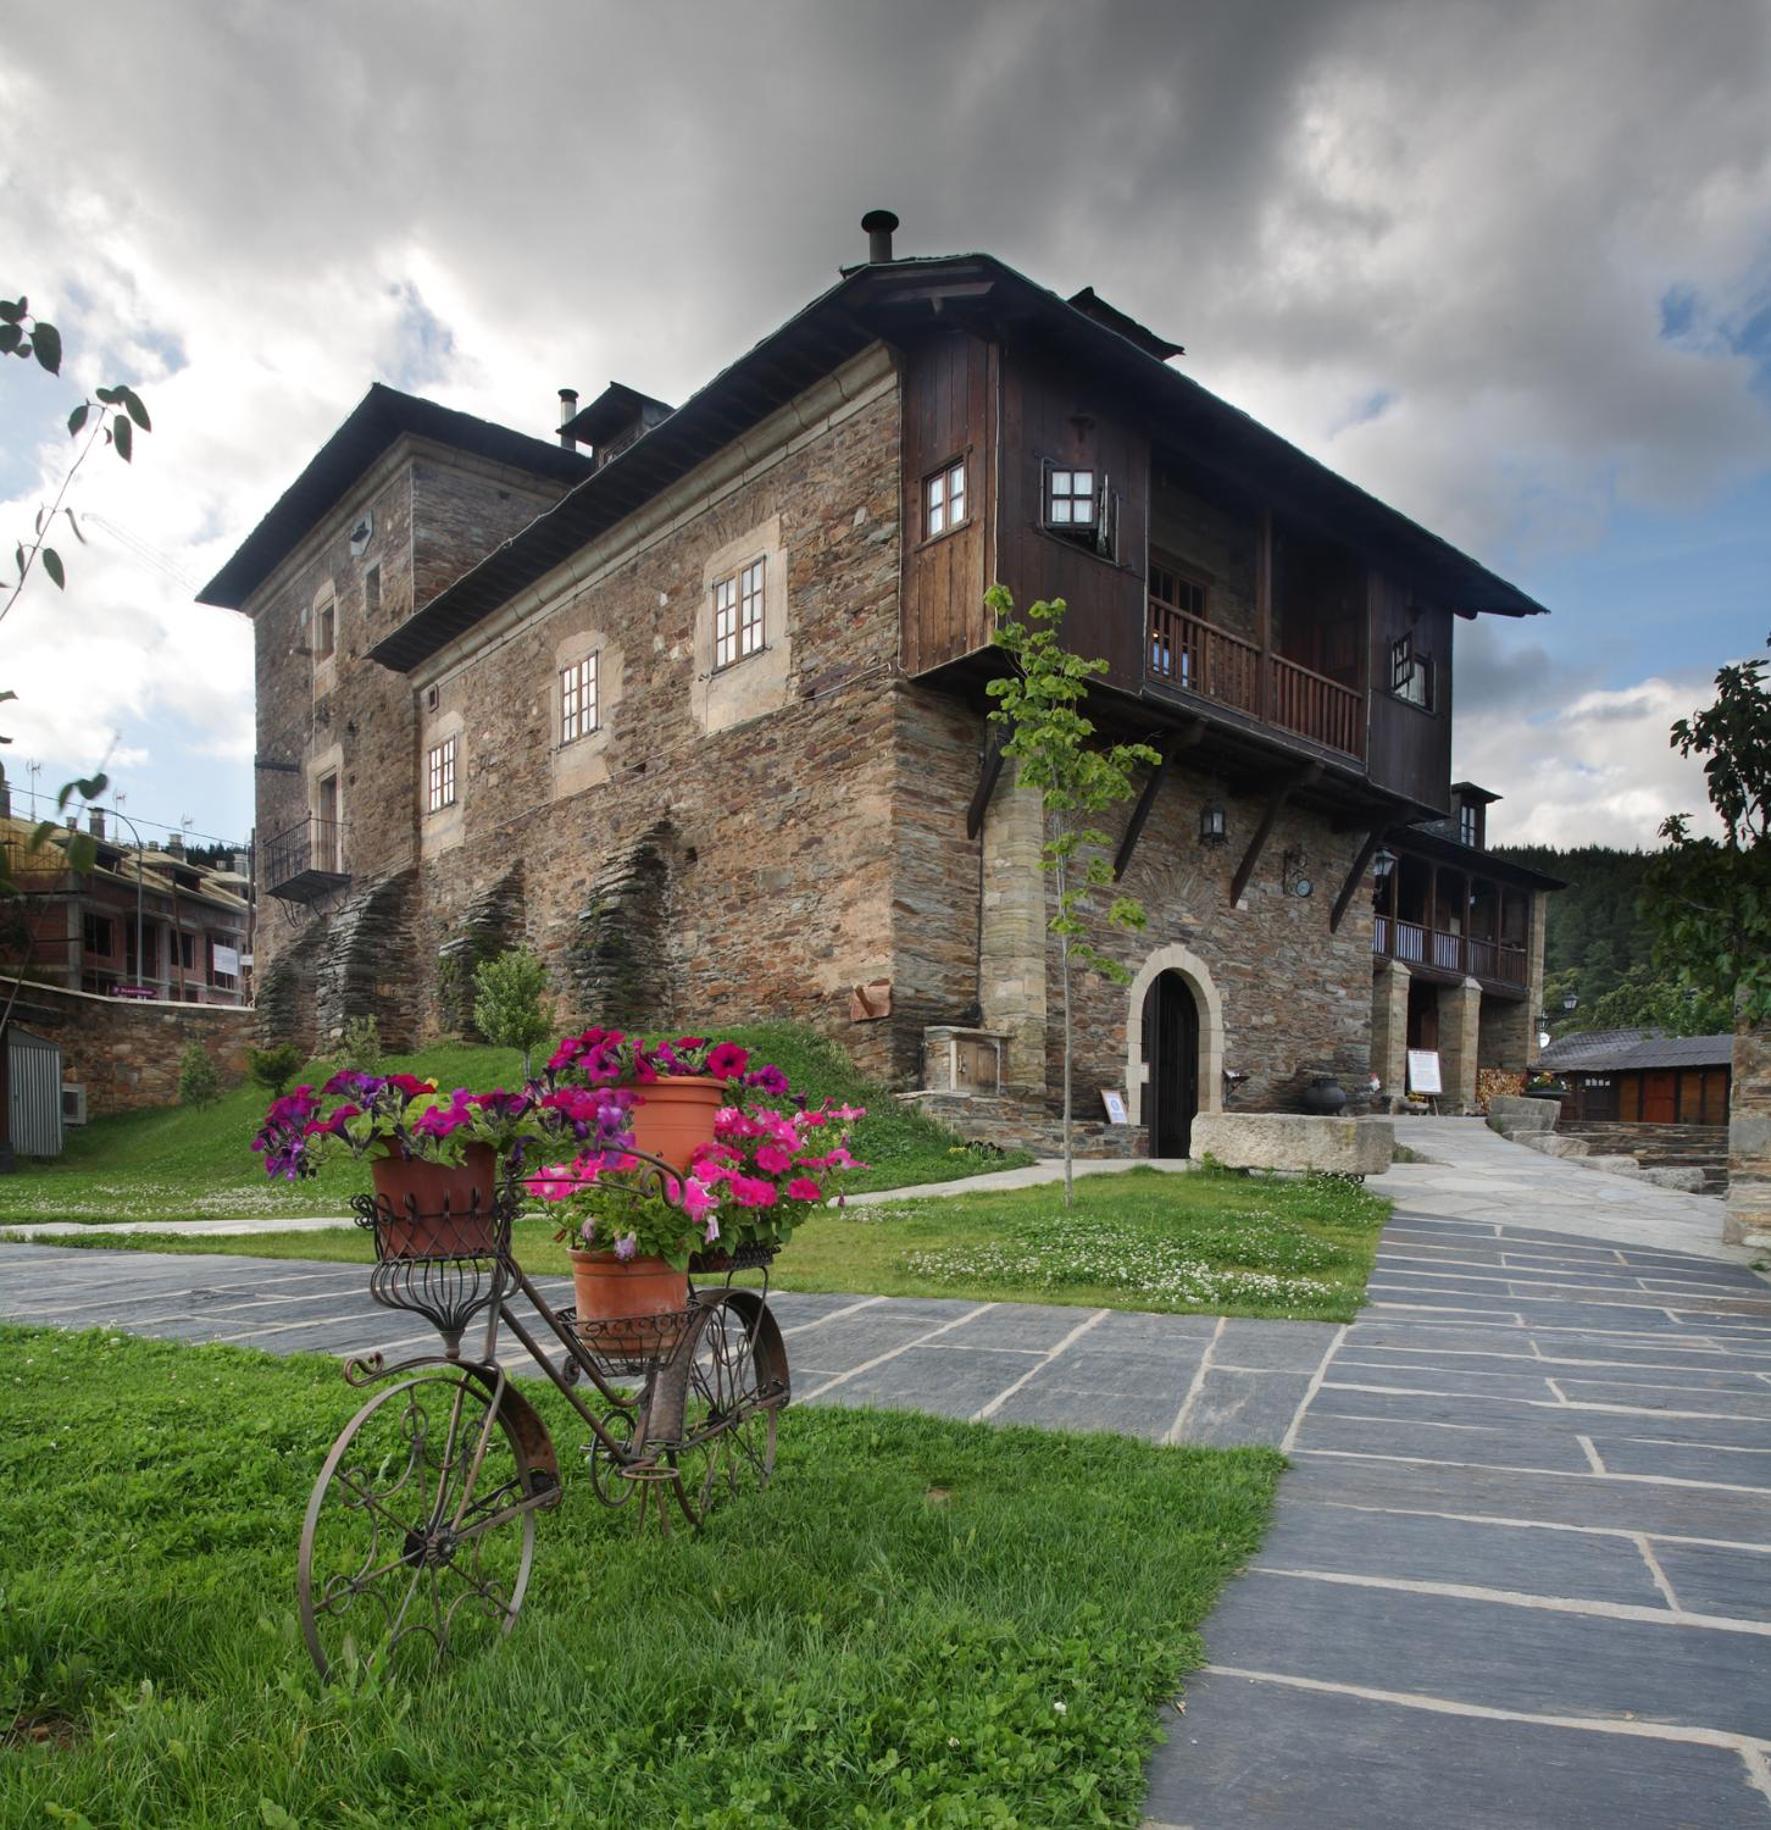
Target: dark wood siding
pixel 1410 750
pixel 949 413
pixel 1049 416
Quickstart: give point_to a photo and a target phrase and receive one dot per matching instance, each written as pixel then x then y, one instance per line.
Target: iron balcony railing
pixel 305 860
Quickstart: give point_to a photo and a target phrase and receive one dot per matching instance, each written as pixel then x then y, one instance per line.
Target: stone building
pixel 693 702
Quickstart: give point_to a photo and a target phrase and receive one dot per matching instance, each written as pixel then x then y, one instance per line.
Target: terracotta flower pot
pixel 673 1117
pixel 620 1299
pixel 438 1209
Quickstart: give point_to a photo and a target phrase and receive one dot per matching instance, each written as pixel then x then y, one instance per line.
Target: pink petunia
pixel 803 1188
pixel 773 1160
pixel 750 1191
pixel 727 1061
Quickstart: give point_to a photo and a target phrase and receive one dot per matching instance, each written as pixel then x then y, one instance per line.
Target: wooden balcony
pixel 1499 961
pixel 1200 658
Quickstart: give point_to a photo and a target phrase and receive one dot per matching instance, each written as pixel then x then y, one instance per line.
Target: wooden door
pixel 1659 1103
pixel 1171 1048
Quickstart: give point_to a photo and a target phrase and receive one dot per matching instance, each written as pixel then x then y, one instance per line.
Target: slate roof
pixel 1611 1050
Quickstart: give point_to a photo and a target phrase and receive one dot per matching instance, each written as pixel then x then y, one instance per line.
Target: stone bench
pixel 1275 1140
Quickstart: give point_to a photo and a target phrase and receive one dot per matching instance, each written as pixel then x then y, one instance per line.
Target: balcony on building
pixel 1453 921
pixel 306 862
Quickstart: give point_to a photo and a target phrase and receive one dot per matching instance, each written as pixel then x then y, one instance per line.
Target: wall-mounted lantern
pixel 1383 861
pixel 1214 826
pixel 1571 1002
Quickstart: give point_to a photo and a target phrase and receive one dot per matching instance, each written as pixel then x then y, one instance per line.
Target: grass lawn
pixel 1212 1241
pixel 921 1623
pixel 187 1163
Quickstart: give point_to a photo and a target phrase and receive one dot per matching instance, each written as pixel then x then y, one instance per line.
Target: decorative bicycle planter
pixel 420 1531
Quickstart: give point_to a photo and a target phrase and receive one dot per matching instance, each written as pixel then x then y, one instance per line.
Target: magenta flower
pixel 773 1160
pixel 727 1061
pixel 769 1079
pixel 753 1191
pixel 803 1188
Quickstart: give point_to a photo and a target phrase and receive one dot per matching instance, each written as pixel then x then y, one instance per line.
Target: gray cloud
pixel 1471 211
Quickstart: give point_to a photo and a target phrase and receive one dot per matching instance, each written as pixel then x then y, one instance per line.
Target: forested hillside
pixel 1600 946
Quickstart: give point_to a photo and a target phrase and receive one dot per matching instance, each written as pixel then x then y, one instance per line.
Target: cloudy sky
pixel 1506 263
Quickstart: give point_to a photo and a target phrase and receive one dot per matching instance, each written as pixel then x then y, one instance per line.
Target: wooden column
pixel 1463 944
pixel 1263 608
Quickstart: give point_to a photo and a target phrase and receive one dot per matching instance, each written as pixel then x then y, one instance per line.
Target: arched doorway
pixel 1171 1057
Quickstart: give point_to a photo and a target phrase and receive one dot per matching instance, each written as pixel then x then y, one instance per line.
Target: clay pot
pixel 619 1299
pixel 439 1210
pixel 673 1118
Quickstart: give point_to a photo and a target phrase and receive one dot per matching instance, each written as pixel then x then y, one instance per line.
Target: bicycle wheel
pixel 737 1387
pixel 417 1542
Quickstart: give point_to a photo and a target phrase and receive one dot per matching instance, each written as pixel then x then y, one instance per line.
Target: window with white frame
pixel 440 776
pixel 1411 673
pixel 578 700
pixel 738 615
pixel 1082 506
pixel 943 500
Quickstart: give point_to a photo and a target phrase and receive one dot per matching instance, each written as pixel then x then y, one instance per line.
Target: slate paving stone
pixel 1091 1368
pixel 1534 1660
pixel 1570 1565
pixel 1686 1462
pixel 1257 1346
pixel 1045 1401
pixel 1481 1447
pixel 1252 1756
pixel 1713 1579
pixel 1234 1409
pixel 954 1384
pixel 1021 1327
pixel 1486 1412
pixel 1347 1371
pixel 1478 1492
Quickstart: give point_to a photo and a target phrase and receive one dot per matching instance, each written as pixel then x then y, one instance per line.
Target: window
pixel 1172 588
pixel 1173 650
pixel 1069 498
pixel 325 628
pixel 1411 673
pixel 187 951
pixel 1469 824
pixel 578 703
pixel 100 935
pixel 1082 506
pixel 372 593
pixel 738 615
pixel 943 500
pixel 440 773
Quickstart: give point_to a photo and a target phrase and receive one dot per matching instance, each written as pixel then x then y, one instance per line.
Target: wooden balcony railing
pixel 1502 961
pixel 1185 652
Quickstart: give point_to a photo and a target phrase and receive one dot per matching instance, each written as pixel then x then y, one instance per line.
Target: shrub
pixel 359 1048
pixel 509 1007
pixel 274 1068
pixel 198 1082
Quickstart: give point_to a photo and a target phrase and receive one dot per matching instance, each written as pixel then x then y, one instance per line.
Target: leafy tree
pixel 359 1048
pixel 274 1068
pixel 198 1082
pixel 510 1006
pixel 1710 899
pixel 1039 705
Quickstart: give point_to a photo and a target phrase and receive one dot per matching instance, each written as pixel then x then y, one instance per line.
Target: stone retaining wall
pixel 125 1052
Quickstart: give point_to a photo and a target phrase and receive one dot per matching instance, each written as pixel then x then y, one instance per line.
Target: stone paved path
pixel 1520 1573
pixel 1168 1378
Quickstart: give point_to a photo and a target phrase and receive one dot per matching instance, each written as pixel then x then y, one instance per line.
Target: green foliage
pixel 920 1623
pixel 198 1082
pixel 274 1068
pixel 511 1008
pixel 1050 739
pixel 359 1047
pixel 1710 899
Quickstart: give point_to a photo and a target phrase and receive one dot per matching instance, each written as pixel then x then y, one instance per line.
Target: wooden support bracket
pixel 989 774
pixel 1355 877
pixel 1182 740
pixel 1282 792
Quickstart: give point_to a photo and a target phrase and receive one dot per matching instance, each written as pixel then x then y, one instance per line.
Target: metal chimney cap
pixel 879 225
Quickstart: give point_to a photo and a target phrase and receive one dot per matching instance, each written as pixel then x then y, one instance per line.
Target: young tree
pixel 1710 899
pixel 274 1068
pixel 198 1082
pixel 1039 706
pixel 510 1007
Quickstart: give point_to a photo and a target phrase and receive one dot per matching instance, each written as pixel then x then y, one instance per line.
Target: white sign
pixel 227 959
pixel 1423 1071
pixel 1114 1101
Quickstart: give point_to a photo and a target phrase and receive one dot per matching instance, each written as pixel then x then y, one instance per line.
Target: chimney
pixel 879 225
pixel 175 845
pixel 95 822
pixel 568 413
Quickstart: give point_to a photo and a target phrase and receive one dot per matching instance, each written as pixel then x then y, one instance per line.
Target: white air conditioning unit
pixel 73 1105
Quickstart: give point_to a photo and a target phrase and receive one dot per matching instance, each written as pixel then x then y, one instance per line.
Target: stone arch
pixel 1176 958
